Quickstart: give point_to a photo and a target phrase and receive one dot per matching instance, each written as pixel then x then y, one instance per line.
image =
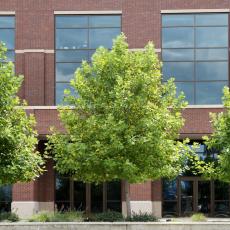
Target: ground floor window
pixel 73 195
pixel 5 198
pixel 187 195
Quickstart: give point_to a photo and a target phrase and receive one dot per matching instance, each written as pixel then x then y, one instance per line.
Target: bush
pixel 198 217
pixel 110 216
pixel 57 217
pixel 67 217
pixel 9 216
pixel 141 217
pixel 41 217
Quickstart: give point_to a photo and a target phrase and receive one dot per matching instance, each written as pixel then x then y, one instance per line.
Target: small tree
pixel 19 160
pixel 219 140
pixel 123 124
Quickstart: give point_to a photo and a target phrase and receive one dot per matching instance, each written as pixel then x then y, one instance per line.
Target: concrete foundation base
pixel 151 207
pixel 25 209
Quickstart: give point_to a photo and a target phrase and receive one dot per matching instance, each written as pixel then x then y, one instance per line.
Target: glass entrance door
pixel 186 197
pixel 194 196
pixel 204 197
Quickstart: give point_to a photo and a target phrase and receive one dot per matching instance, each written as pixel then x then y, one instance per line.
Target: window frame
pixel 89 50
pixel 195 48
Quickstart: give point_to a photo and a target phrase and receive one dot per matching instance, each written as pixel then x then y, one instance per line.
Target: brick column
pixel 141 198
pixel 157 198
pixel 30 198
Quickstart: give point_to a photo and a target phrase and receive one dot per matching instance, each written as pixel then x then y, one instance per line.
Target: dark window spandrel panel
pixel 211 19
pixel 71 39
pixel 104 21
pixel 102 37
pixel 181 71
pixel 207 71
pixel 208 93
pixel 178 20
pixel 181 37
pixel 211 37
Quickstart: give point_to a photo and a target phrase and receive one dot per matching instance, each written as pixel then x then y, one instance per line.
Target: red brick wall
pixel 141 22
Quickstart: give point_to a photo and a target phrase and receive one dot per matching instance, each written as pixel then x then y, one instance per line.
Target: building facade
pixel 48 39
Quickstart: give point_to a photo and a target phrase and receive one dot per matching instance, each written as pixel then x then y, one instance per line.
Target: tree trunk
pixel 127 199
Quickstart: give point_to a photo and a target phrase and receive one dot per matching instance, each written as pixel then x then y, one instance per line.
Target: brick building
pixel 47 39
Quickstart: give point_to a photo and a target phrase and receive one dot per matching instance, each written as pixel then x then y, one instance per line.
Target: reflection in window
pixel 221 204
pixel 178 37
pixel 7 35
pixel 114 196
pixel 77 38
pixel 195 53
pixel 72 194
pixel 5 198
pixel 209 92
pixel 181 71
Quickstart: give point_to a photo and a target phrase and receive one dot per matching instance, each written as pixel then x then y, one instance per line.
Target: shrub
pixel 9 216
pixel 41 217
pixel 67 217
pixel 141 217
pixel 110 216
pixel 57 217
pixel 198 217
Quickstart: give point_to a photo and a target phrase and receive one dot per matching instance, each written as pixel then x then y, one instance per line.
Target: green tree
pixel 19 160
pixel 219 140
pixel 124 122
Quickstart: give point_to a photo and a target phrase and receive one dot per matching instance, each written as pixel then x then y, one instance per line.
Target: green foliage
pixel 109 216
pixel 9 216
pixel 19 160
pixel 198 217
pixel 220 141
pixel 125 122
pixel 141 217
pixel 57 217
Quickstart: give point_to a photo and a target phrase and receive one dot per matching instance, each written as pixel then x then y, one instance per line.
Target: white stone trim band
pixel 195 11
pixel 88 12
pixel 7 12
pixel 205 107
pixel 34 51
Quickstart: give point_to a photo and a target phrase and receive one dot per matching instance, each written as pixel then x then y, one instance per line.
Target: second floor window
pixel 195 53
pixel 77 38
pixel 7 35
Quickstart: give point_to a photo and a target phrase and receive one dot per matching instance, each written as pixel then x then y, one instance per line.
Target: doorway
pixel 194 196
pixel 189 194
